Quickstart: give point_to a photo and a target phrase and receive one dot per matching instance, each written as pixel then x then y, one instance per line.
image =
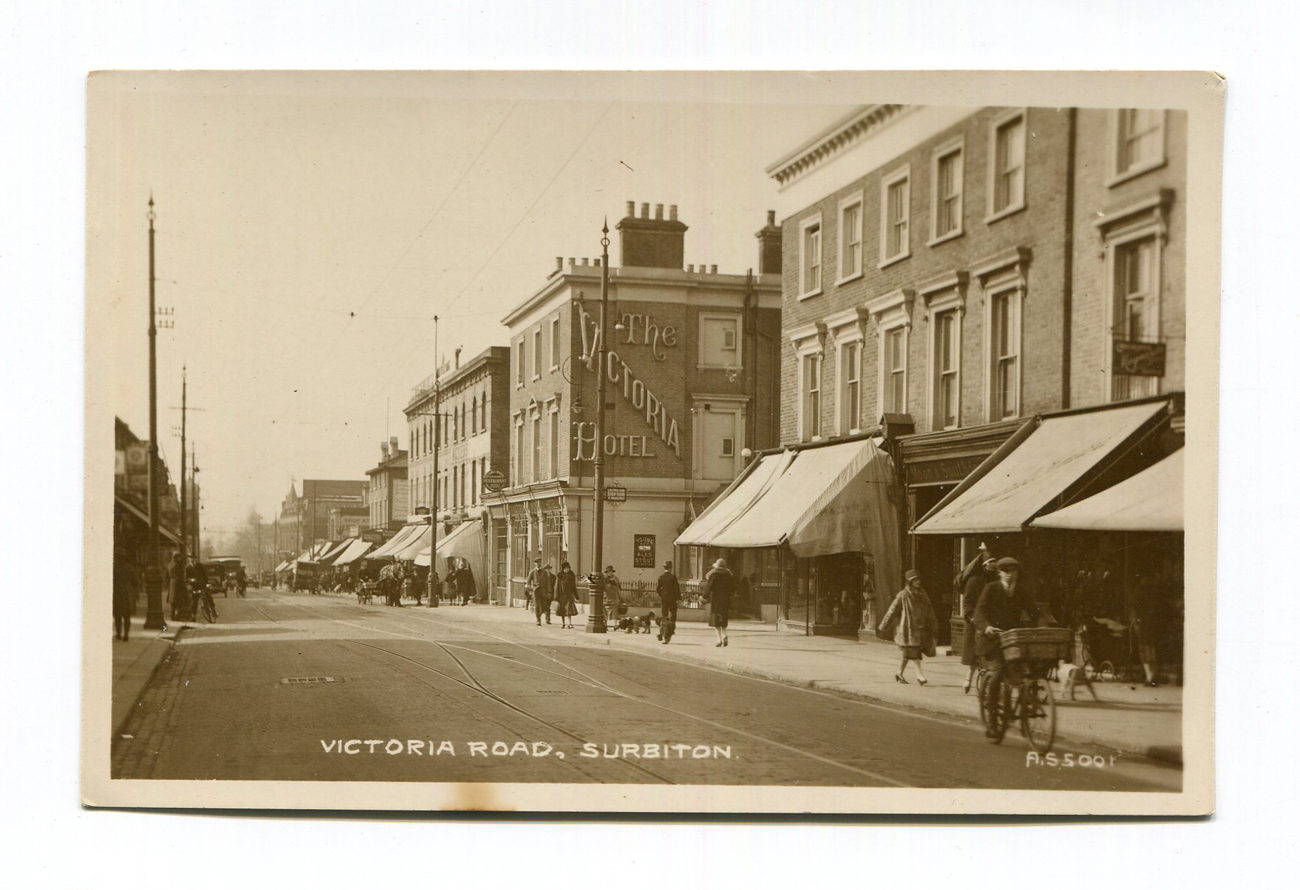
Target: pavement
pixel 1132 719
pixel 134 664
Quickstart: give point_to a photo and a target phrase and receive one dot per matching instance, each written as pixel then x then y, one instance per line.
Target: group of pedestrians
pixel 545 587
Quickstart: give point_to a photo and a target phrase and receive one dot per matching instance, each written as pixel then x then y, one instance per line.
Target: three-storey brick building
pixel 692 385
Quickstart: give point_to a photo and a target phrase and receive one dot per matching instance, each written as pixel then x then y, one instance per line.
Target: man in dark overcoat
pixel 1004 604
pixel 670 592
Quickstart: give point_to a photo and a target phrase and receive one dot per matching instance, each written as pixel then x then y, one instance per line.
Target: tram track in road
pixel 579 676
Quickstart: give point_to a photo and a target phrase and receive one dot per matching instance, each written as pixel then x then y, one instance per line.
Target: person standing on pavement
pixel 980 575
pixel 670 592
pixel 566 595
pixel 176 580
pixel 530 586
pixel 1004 604
pixel 719 588
pixel 544 593
pixel 613 597
pixel 125 587
pixel 911 623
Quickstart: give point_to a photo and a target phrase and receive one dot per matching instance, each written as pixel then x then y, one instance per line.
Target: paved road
pixel 294 686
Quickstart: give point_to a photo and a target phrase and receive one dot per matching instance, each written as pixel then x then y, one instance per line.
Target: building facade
pixel 692 386
pixel 304 520
pixel 951 273
pixel 387 498
pixel 473 439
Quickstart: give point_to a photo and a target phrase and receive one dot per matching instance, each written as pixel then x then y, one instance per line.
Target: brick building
pixel 952 274
pixel 692 384
pixel 387 501
pixel 474 439
pixel 304 520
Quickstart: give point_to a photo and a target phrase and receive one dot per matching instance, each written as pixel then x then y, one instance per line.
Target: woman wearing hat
pixel 911 620
pixel 719 586
pixel 566 595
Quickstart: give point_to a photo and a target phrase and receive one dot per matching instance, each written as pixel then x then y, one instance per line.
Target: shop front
pixel 820 523
pixel 1096 581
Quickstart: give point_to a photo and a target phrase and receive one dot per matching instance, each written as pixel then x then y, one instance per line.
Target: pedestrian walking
pixel 126 584
pixel 670 593
pixel 177 595
pixel 979 572
pixel 613 596
pixel 544 593
pixel 408 586
pixel 566 595
pixel 910 622
pixel 530 586
pixel 719 588
pixel 465 582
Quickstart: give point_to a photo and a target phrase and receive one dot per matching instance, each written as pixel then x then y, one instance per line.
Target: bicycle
pixel 1026 698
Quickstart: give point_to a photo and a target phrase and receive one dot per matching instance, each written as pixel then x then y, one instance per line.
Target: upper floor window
pixel 894 370
pixel 1004 394
pixel 555 441
pixel 812 396
pixel 555 343
pixel 850 373
pixel 895 215
pixel 519 362
pixel 850 238
pixel 946 193
pixel 947 369
pixel 1134 307
pixel 1007 165
pixel 810 257
pixel 537 354
pixel 537 447
pixel 1139 142
pixel 719 340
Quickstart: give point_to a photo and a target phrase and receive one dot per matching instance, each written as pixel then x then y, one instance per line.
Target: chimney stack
pixel 383 450
pixel 655 243
pixel 769 246
pixel 392 445
pixel 458 349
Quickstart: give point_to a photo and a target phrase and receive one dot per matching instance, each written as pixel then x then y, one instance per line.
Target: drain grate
pixel 291 680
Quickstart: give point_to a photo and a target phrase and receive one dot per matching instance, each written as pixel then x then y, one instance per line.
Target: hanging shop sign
pixel 643 551
pixel 635 392
pixel 615 493
pixel 1130 358
pixel 494 481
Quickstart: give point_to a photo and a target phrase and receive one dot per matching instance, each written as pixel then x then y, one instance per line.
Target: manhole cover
pixel 309 680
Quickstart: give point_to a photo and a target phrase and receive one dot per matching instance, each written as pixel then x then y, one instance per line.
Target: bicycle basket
pixel 1037 643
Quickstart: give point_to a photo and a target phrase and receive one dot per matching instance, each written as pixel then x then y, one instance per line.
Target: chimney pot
pixel 631 208
pixel 596 261
pixel 571 261
pixel 559 263
pixel 690 268
pixel 713 270
pixel 645 210
pixel 458 349
pixel 672 212
pixel 771 217
pixel 659 211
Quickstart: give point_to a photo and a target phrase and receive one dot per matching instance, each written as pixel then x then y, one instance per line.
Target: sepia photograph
pixel 750 442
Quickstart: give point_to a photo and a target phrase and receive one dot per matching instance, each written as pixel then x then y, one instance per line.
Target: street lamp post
pixel 437 446
pixel 153 573
pixel 596 610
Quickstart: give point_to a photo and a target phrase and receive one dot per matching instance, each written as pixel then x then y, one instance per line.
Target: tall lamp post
pixel 437 446
pixel 153 573
pixel 596 611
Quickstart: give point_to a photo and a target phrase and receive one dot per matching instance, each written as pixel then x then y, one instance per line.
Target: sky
pixel 309 226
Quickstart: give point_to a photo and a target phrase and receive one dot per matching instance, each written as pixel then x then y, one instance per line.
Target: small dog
pixel 638 625
pixel 645 622
pixel 666 628
pixel 1070 676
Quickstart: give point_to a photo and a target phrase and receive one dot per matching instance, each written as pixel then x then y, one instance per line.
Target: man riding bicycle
pixel 1003 604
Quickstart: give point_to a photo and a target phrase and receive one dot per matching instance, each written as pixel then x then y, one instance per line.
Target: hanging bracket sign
pixel 494 481
pixel 615 493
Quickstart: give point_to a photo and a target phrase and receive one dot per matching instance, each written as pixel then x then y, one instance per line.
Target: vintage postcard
pixel 806 442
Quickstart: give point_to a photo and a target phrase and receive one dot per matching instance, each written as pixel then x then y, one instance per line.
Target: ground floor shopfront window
pixel 824 594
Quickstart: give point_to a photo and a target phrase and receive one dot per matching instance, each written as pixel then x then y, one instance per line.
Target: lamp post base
pixel 596 609
pixel 153 583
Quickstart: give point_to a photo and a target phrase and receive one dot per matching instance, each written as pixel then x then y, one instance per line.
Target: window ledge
pixel 955 233
pixel 554 368
pixel 1134 172
pixel 810 294
pixel 854 277
pixel 1004 213
pixel 537 377
pixel 894 259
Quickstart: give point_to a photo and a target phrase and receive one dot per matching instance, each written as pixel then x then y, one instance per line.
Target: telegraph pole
pixel 437 446
pixel 176 604
pixel 596 611
pixel 153 569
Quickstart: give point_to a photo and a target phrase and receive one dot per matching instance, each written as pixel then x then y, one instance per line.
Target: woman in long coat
pixel 981 571
pixel 719 587
pixel 910 620
pixel 566 595
pixel 125 587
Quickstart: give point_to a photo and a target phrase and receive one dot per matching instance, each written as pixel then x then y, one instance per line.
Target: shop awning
pixel 143 516
pixel 818 501
pixel 417 542
pixel 356 550
pixel 1149 501
pixel 329 556
pixel 398 541
pixel 467 541
pixel 1059 453
pixel 284 566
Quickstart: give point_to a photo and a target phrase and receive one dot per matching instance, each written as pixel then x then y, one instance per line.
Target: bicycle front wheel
pixel 1037 708
pixel 209 614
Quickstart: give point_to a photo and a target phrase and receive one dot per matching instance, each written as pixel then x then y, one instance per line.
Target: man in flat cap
pixel 1003 604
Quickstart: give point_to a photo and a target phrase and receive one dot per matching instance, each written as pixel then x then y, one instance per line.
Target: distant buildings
pixel 387 501
pixel 304 519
